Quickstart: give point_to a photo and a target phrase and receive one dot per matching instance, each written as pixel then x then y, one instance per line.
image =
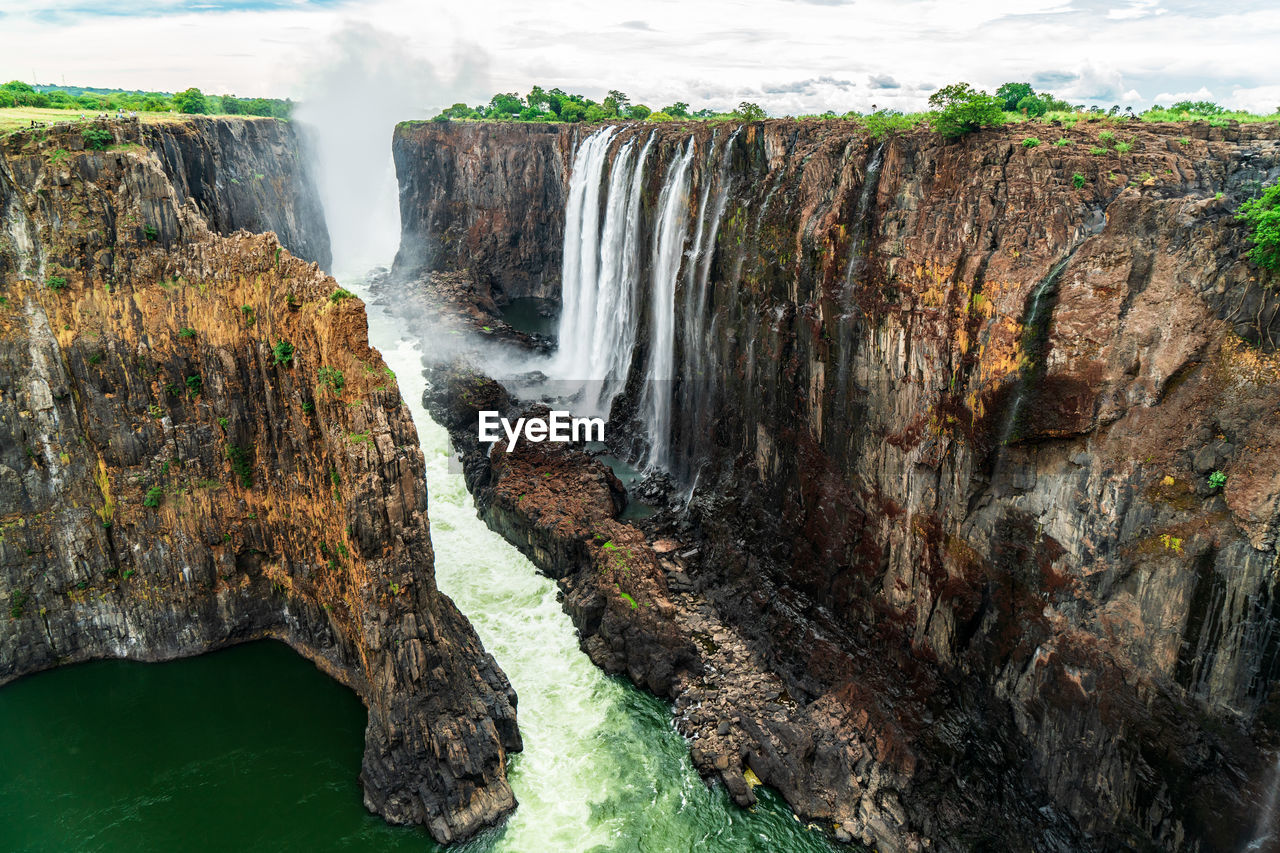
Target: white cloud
pixel 714 53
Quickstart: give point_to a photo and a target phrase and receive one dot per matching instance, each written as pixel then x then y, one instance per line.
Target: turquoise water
pixel 253 748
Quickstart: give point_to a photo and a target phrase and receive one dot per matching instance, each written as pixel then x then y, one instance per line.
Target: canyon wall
pixel 198 448
pixel 458 209
pixel 947 412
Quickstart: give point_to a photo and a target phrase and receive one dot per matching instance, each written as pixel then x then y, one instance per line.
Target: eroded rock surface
pixel 198 447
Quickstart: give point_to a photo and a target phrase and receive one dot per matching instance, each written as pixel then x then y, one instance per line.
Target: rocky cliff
pixel 948 411
pixel 458 209
pixel 198 447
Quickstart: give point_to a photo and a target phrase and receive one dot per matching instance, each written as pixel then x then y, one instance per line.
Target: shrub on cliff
pixel 332 378
pixel 962 109
pixel 97 138
pixel 282 353
pixel 1262 216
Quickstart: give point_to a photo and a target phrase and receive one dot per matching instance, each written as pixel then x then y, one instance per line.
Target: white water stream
pixel 603 768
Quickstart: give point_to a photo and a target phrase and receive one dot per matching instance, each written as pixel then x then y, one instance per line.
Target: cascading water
pixel 667 257
pixel 696 391
pixel 1266 834
pixel 582 248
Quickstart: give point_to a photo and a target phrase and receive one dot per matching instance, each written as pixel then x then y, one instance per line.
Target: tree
pixel 1033 106
pixel 748 111
pixel 679 110
pixel 190 101
pixel 615 104
pixel 572 110
pixel 638 111
pixel 1010 94
pixel 1262 216
pixel 537 98
pixel 963 109
pixel 505 104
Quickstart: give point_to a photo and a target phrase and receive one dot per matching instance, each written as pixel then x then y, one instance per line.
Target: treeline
pixel 18 94
pixel 555 105
pixel 977 108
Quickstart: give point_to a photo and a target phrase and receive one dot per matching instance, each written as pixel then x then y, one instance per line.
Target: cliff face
pixel 458 211
pixel 951 422
pixel 198 447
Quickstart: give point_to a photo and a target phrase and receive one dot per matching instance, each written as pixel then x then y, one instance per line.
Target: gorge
pixel 943 415
pixel 925 429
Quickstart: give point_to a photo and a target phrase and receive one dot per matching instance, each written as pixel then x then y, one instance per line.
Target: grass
pixel 20 118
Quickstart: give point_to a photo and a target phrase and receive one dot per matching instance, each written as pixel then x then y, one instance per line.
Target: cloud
pixel 1136 9
pixel 790 56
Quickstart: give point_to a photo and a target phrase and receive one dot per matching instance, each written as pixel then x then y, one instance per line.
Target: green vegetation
pixel 1106 136
pixel 1030 142
pixel 963 109
pixel 242 463
pixel 186 332
pixel 1217 480
pixel 1062 142
pixel 308 406
pixel 1262 216
pixel 247 312
pixel 332 378
pixel 150 232
pixel 155 495
pixel 1124 147
pixel 56 282
pixel 1078 180
pixel 282 353
pixel 340 294
pixel 194 385
pixel 15 93
pixel 17 603
pixel 1099 151
pixel 97 138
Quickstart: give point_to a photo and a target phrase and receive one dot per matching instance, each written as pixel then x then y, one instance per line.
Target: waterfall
pixel 696 394
pixel 1265 833
pixel 603 277
pixel 667 256
pixel 601 270
pixel 582 254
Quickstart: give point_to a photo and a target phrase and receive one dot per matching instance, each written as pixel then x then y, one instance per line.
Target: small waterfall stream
pixel 1266 833
pixel 668 255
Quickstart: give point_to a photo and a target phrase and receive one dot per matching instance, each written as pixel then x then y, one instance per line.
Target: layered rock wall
pixel 951 429
pixel 198 448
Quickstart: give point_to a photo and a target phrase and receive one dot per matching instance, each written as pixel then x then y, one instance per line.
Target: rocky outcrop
pixel 954 412
pixel 198 448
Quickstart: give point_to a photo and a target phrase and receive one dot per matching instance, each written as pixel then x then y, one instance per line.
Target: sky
pixel 789 56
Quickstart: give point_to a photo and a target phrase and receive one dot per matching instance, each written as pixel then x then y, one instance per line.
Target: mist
pixel 356 87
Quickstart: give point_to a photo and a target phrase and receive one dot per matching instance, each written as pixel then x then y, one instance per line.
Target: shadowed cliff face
pixel 483 197
pixel 950 410
pixel 173 479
